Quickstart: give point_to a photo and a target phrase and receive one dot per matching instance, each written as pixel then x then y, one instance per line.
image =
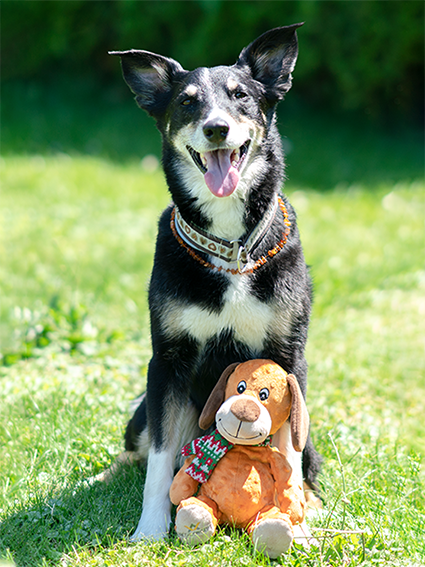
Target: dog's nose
pixel 245 410
pixel 216 130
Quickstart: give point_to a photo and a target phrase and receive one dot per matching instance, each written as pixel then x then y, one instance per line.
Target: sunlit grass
pixel 366 253
pixel 76 242
pixel 81 229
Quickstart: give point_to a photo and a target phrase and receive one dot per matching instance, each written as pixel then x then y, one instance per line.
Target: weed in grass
pixel 65 327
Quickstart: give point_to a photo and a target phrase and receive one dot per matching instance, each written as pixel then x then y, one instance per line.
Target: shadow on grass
pixel 71 517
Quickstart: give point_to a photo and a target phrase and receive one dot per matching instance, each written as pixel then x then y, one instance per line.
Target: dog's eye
pixel 186 102
pixel 240 94
pixel 264 394
pixel 241 387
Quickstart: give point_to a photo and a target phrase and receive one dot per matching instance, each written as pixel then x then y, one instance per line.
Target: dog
pixel 229 281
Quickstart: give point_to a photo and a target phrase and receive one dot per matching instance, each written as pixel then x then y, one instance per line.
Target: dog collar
pixel 231 251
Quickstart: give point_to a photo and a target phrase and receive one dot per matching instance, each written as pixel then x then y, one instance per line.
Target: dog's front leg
pixel 156 515
pixel 172 422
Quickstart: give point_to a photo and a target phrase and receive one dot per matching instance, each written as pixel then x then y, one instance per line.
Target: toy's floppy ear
pixel 300 420
pixel 216 398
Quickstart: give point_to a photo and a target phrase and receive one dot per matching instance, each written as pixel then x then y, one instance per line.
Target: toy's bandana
pixel 208 449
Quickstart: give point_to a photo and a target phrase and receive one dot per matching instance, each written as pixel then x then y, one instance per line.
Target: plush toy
pixel 242 480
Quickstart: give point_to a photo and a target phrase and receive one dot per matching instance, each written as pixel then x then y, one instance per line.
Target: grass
pixel 76 241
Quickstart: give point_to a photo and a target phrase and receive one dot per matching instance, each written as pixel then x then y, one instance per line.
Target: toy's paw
pixel 273 537
pixel 194 524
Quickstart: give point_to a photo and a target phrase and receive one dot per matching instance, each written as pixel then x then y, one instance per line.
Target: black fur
pixel 181 367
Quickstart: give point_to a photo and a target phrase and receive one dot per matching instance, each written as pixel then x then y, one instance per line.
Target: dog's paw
pixel 194 524
pixel 152 528
pixel 272 537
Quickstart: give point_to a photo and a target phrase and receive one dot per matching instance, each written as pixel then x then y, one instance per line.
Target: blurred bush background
pixel 365 56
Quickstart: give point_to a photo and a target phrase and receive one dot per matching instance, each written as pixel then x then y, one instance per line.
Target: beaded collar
pixel 194 238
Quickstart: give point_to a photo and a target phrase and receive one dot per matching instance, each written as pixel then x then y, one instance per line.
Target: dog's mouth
pixel 221 168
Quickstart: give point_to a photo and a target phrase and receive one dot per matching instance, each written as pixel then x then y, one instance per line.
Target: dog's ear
pixel 216 398
pixel 149 76
pixel 300 420
pixel 271 59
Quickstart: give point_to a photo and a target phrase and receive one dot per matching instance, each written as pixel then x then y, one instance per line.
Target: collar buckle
pixel 242 257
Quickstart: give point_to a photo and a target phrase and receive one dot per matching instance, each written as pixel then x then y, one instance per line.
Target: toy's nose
pixel 245 410
pixel 216 130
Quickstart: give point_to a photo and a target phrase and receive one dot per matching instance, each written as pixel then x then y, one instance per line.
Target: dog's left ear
pixel 216 398
pixel 271 58
pixel 300 420
pixel 148 75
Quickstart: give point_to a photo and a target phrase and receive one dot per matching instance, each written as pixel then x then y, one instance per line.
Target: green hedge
pixel 364 55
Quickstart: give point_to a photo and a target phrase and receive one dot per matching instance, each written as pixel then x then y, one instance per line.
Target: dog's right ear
pixel 216 398
pixel 148 75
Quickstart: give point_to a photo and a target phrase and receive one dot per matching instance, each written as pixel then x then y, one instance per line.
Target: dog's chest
pixel 249 319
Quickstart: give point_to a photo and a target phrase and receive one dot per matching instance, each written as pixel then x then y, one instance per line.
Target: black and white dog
pixel 229 281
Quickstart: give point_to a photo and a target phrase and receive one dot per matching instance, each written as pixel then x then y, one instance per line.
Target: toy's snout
pixel 245 410
pixel 243 420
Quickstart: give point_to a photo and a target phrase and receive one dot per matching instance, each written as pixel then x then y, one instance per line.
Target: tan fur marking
pixel 191 90
pixel 232 85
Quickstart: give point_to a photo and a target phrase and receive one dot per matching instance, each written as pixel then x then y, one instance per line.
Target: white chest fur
pixel 246 316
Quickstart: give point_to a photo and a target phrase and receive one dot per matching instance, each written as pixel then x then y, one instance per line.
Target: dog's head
pixel 214 120
pixel 253 400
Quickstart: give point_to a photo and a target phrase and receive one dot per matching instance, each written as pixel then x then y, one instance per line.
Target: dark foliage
pixel 366 56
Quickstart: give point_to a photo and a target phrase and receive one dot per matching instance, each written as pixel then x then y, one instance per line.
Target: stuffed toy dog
pixel 242 480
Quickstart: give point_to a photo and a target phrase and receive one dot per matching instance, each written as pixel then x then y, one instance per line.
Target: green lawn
pixel 76 242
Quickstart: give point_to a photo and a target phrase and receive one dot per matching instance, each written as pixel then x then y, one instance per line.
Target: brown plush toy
pixel 244 481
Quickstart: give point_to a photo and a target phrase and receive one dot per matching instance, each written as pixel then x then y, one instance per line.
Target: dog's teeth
pixel 203 160
pixel 234 163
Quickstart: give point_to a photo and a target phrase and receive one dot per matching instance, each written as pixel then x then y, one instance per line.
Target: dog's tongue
pixel 221 177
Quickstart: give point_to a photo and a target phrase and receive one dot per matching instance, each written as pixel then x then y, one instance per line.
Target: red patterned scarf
pixel 208 450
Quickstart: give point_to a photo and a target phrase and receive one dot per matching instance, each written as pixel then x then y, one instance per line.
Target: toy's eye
pixel 240 94
pixel 264 394
pixel 241 387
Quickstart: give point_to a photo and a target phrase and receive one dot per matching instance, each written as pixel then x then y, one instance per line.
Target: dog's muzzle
pixel 221 167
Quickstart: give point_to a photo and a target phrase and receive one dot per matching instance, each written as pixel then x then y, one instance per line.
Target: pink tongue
pixel 221 177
